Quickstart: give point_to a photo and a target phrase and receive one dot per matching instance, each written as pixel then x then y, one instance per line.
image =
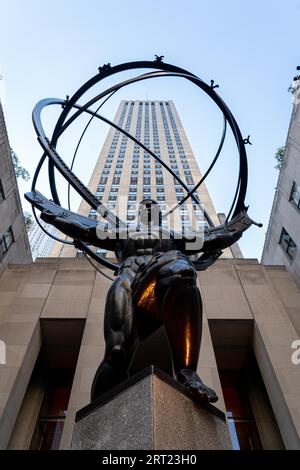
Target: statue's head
pixel 149 213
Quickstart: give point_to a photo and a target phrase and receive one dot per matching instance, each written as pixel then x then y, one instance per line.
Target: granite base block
pixel 150 411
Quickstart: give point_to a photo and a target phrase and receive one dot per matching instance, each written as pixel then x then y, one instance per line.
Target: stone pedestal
pixel 149 411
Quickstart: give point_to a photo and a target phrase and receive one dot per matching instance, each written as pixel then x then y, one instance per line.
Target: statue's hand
pixel 73 225
pixel 227 234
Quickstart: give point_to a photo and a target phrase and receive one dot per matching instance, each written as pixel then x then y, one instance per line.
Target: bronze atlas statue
pixel 157 267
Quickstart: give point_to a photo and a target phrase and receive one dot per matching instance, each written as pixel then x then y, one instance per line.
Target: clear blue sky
pixel 49 48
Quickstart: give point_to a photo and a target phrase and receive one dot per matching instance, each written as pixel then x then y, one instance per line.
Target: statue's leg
pixel 120 335
pixel 181 311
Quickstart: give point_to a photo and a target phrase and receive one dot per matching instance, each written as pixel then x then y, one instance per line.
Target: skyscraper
pixel 14 246
pixel 282 244
pixel 40 243
pixel 125 173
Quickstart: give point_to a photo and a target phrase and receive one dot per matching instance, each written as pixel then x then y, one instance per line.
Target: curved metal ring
pixel 61 125
pixel 243 173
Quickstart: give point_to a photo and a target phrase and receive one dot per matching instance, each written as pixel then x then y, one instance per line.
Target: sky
pixel 251 49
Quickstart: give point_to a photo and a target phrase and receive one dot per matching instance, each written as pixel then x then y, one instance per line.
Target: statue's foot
pixel 196 387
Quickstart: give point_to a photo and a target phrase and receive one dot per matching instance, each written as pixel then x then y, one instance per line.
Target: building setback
pixel 282 244
pixel 40 243
pixel 14 246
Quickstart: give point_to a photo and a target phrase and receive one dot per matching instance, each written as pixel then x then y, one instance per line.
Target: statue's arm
pixel 217 238
pixel 74 225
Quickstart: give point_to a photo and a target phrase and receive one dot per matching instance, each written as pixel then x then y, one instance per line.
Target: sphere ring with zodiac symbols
pixel 49 145
pixel 156 281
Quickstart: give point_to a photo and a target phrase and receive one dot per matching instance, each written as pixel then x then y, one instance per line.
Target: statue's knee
pixel 124 285
pixel 118 305
pixel 176 279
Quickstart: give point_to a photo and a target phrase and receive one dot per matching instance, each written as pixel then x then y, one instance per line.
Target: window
pixel 1 192
pixel 287 243
pixel 101 252
pixel 93 214
pixel 5 242
pixel 295 195
pixel 52 415
pixel 241 420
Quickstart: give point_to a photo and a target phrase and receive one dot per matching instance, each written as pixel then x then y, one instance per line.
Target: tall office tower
pixel 282 244
pixel 14 246
pixel 125 174
pixel 40 243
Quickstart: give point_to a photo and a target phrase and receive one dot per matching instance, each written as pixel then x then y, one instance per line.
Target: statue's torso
pixel 142 243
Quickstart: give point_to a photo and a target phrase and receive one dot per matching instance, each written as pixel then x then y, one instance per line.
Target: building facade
pixel 52 324
pixel 40 243
pixel 52 311
pixel 14 246
pixel 282 244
